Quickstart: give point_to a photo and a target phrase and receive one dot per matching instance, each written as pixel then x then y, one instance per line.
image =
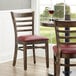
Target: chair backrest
pixel 61 36
pixel 23 22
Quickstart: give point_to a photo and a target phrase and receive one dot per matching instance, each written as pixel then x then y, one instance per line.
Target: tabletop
pixel 47 24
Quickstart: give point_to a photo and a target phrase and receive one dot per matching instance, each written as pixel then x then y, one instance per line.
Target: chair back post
pixel 33 22
pixel 57 42
pixel 14 25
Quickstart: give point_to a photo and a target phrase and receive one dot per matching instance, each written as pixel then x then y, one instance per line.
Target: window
pixel 72 6
pixel 35 7
pixel 63 9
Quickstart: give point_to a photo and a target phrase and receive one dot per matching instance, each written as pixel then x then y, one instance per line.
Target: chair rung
pixel 31 47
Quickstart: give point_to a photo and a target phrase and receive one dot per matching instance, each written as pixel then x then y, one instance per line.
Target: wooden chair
pixel 24 23
pixel 64 49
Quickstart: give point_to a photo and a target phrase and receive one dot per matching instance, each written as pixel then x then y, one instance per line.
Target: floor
pixel 39 69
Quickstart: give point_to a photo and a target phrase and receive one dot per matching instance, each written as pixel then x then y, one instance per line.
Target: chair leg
pixel 54 65
pixel 15 55
pixel 47 54
pixel 34 58
pixel 25 56
pixel 57 65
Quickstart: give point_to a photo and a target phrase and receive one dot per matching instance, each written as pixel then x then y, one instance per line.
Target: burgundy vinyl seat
pixel 66 49
pixel 31 38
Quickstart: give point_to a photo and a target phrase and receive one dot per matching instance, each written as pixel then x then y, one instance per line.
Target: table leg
pixel 67 69
pixel 67 61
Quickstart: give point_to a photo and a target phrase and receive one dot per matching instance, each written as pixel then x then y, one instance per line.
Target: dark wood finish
pixel 60 38
pixel 20 21
pixel 47 24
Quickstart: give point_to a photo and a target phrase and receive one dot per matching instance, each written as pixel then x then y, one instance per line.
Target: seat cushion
pixel 31 38
pixel 66 49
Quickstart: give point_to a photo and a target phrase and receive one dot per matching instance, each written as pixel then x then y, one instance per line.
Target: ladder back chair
pixel 24 24
pixel 63 49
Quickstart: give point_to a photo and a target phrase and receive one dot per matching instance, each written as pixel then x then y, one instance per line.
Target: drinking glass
pixel 51 11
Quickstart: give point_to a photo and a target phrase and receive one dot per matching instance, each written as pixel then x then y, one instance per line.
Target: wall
pixel 14 4
pixel 6 30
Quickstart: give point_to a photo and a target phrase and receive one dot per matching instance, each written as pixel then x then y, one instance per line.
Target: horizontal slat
pixel 24 25
pixel 23 20
pixel 68 65
pixel 66 31
pixel 65 37
pixel 28 14
pixel 66 23
pixel 24 30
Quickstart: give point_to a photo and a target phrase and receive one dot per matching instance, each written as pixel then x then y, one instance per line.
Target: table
pixel 49 24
